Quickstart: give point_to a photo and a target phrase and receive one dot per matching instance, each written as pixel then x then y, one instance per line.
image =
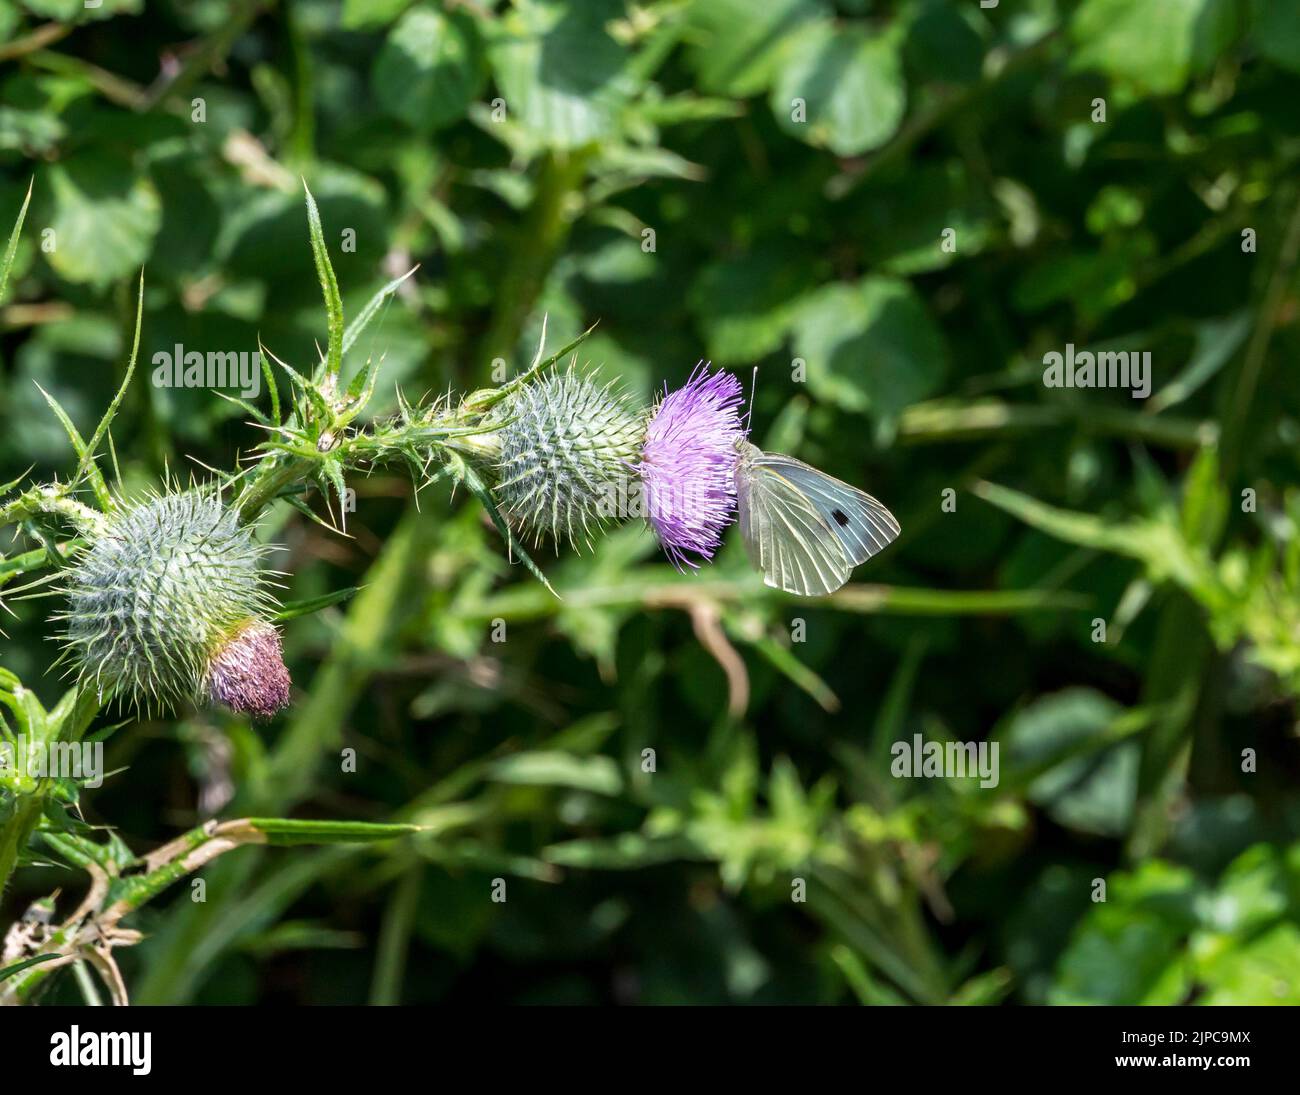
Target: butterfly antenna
pixel 753 385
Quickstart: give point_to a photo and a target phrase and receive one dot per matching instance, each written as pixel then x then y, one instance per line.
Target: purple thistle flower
pixel 247 671
pixel 688 464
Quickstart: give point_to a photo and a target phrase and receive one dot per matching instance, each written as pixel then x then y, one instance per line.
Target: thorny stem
pixel 51 500
pixel 279 471
pixel 16 831
pixel 464 428
pixel 92 930
pixel 42 36
pixel 67 722
pixel 274 474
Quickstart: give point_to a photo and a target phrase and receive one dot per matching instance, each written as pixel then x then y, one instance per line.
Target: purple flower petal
pixel 247 671
pixel 688 465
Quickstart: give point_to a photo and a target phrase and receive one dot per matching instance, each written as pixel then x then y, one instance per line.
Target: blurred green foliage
pixel 907 202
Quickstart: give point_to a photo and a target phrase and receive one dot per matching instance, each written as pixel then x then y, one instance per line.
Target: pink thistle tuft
pixel 247 673
pixel 688 463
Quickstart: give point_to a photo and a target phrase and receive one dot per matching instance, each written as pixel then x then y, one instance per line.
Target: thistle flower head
pixel 168 601
pixel 567 445
pixel 688 462
pixel 246 671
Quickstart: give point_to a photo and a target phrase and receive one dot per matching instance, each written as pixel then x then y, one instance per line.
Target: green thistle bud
pixel 567 445
pixel 168 603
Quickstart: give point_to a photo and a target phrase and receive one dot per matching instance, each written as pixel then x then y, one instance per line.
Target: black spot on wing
pixel 841 518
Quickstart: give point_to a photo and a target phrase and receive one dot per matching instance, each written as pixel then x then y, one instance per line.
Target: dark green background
pixel 773 241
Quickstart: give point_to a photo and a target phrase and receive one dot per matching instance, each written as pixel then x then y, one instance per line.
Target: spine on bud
pixel 568 448
pixel 169 603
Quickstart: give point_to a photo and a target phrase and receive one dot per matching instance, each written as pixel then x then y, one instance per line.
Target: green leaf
pixel 783 659
pixel 33 132
pixel 271 386
pixel 84 454
pixel 1151 46
pixel 87 465
pixel 627 851
pixel 599 775
pixel 903 224
pixel 428 70
pixel 1129 950
pixel 559 71
pixel 1159 544
pixel 294 609
pixel 1087 780
pixel 362 385
pixel 985 989
pixel 736 44
pixel 311 391
pixel 297 503
pixel 1276 32
pixel 1252 894
pixel 72 11
pixel 244 406
pixel 943 44
pixel 1265 970
pixel 1205 502
pixel 300 935
pixel 329 287
pixel 18 967
pixel 282 831
pixel 11 247
pixel 1084 529
pixel 868 989
pixel 870 346
pixel 745 305
pixel 364 14
pixel 1094 281
pixel 840 88
pixel 103 216
pixel 1217 340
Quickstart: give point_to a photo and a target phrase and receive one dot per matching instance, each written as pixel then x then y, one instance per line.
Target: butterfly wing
pixel 786 537
pixel 862 525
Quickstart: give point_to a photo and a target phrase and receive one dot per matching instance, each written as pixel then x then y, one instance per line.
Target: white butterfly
pixel 804 530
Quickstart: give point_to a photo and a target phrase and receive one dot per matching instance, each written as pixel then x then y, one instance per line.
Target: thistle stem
pixel 16 832
pixel 51 500
pixel 274 474
pixel 67 722
pixel 450 430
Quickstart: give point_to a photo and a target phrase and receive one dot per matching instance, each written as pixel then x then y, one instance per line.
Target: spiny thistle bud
pixel 168 602
pixel 568 447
